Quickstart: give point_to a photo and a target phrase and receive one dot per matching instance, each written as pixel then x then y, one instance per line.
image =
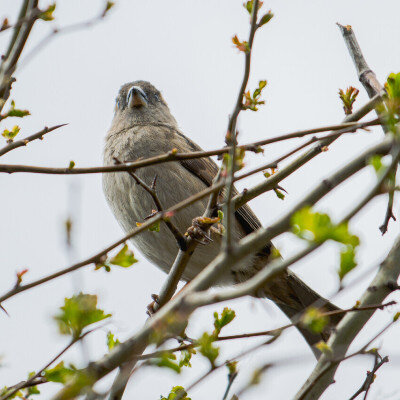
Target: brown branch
pixel 231 136
pixel 240 200
pixel 369 380
pixel 172 156
pixel 271 332
pixel 24 142
pixel 62 31
pixel 37 378
pixel 15 47
pixel 304 158
pixel 371 84
pixel 366 76
pixel 27 19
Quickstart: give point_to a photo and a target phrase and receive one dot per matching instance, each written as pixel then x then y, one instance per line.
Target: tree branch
pixel 204 279
pixel 15 47
pixel 173 156
pixel 24 142
pixel 371 84
pixel 350 326
pixel 231 136
pixel 272 181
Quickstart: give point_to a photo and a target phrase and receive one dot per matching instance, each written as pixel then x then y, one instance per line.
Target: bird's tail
pixel 293 297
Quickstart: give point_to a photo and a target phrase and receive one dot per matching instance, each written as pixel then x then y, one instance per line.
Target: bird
pixel 143 127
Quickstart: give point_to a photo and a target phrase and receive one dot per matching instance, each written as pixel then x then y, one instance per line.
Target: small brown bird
pixel 143 127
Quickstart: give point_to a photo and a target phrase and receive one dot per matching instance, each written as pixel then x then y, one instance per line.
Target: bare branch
pixel 271 182
pixel 250 244
pixel 366 76
pixel 378 362
pixel 15 47
pixel 231 139
pixel 24 142
pixel 173 156
pixel 350 326
pixel 371 84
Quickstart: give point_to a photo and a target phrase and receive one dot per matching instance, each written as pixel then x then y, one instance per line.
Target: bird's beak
pixel 136 97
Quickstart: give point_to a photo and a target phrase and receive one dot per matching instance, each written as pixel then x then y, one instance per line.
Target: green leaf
pixel 109 5
pixel 186 356
pixel 32 390
pixel 348 98
pixel 167 360
pixel 60 373
pixel 10 135
pixel 266 18
pixel 347 261
pixel 124 258
pixel 252 101
pixel 220 215
pixel 47 15
pixel 324 348
pixel 392 87
pixel 112 341
pixel 71 164
pixel 318 227
pixel 155 227
pixel 241 46
pixel 226 317
pixel 77 313
pixel 279 194
pixel 314 320
pixel 15 112
pixel 376 162
pixel 207 349
pixel 175 392
pixel 5 390
pixel 396 316
pixel 248 5
pixel 232 367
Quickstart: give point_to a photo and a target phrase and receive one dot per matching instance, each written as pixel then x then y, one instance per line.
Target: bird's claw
pixel 199 230
pixel 151 308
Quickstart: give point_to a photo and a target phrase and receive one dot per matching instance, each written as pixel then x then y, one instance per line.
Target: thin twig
pixel 37 378
pixel 241 199
pixel 24 142
pixel 17 43
pixel 172 156
pixel 231 136
pixel 223 262
pixel 61 31
pixel 371 84
pixel 369 380
pixel 231 378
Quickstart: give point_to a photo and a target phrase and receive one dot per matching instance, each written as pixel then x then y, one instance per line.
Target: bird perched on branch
pixel 143 127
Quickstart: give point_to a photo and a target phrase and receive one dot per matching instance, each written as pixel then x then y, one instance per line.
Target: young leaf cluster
pixel 252 101
pixel 124 258
pixel 317 228
pixel 392 87
pixel 348 98
pixel 78 312
pixel 314 320
pixel 177 392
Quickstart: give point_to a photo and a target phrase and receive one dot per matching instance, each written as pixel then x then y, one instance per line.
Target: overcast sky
pixel 184 48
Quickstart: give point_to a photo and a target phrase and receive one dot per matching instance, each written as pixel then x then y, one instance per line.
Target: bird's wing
pixel 205 169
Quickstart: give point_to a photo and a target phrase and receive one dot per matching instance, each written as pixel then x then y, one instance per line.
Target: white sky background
pixel 185 49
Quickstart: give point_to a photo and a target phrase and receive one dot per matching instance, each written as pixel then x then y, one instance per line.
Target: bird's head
pixel 140 103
